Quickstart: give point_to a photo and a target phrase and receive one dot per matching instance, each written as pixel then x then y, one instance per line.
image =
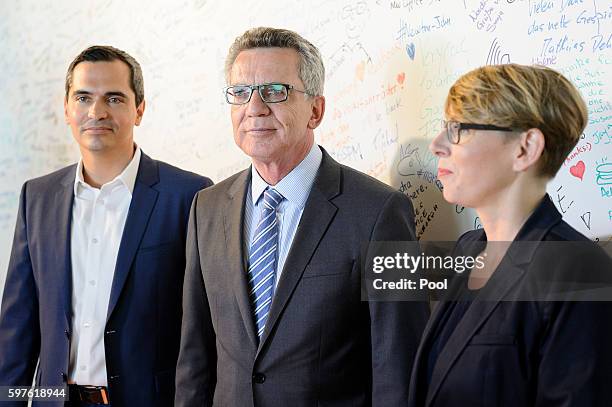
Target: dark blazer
pixel 525 353
pixel 143 323
pixel 322 345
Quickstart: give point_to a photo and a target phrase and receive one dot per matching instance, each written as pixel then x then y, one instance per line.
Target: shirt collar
pixel 296 185
pixel 127 176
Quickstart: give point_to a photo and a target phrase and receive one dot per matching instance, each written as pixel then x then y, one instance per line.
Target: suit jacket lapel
pixel 421 357
pixel 141 207
pixel 505 278
pixel 61 224
pixel 318 214
pixel 509 273
pixel 233 219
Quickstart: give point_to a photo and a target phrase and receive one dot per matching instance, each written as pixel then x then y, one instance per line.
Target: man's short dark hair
pixel 105 53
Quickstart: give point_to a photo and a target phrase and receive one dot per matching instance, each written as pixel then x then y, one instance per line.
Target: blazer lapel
pixel 505 278
pixel 233 219
pixel 141 207
pixel 427 338
pixel 318 214
pixel 61 224
pixel 508 274
pixel 436 313
pixel 421 358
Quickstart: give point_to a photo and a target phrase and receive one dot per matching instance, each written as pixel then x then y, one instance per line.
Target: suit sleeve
pixel 19 324
pixel 395 326
pixel 205 183
pixel 575 360
pixel 197 362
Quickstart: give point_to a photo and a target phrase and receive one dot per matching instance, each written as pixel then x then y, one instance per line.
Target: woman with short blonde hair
pixel 500 340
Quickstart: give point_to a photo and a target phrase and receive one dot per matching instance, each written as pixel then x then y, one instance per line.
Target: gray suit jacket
pixel 322 345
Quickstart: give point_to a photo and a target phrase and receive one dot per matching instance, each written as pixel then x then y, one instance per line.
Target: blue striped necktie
pixel 262 259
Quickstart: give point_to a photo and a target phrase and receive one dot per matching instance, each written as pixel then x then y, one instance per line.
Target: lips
pixel 443 171
pixel 260 131
pixel 98 129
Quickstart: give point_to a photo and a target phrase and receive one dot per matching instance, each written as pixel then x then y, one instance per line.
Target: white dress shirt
pixel 98 218
pixel 295 188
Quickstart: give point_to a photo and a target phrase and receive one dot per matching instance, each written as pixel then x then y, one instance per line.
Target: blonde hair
pixel 523 97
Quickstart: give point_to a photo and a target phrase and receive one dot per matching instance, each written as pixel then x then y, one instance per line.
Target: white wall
pixel 389 65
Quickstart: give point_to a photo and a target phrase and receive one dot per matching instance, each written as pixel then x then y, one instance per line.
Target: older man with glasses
pixel 272 299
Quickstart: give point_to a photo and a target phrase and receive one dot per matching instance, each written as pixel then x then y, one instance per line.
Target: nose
pixel 256 106
pixel 97 110
pixel 439 146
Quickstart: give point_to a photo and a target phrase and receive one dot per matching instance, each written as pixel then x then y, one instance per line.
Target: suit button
pixel 67 332
pixel 259 378
pixel 64 377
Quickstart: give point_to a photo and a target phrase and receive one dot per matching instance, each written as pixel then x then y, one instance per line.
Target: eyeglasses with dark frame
pixel 453 129
pixel 269 93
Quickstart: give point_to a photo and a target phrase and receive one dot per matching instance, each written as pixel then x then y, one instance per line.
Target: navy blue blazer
pixel 144 313
pixel 524 353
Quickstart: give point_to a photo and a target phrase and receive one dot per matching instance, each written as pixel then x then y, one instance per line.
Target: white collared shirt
pixel 295 188
pixel 98 219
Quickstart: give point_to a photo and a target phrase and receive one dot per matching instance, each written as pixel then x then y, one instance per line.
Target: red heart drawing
pixel 401 77
pixel 577 170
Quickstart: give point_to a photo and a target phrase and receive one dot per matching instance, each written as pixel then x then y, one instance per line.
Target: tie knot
pixel 272 198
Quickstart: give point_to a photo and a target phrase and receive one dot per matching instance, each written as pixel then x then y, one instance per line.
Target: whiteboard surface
pixel 389 66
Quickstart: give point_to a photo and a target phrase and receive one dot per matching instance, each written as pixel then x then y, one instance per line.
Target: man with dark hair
pixel 272 309
pixel 93 289
pixel 105 53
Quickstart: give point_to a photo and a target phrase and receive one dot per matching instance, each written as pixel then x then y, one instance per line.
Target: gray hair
pixel 310 68
pixel 107 53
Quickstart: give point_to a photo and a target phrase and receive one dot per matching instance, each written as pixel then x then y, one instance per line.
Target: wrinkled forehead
pixel 266 65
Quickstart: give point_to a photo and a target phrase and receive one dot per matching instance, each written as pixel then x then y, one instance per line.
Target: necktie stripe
pixel 263 219
pixel 261 321
pixel 265 269
pixel 254 266
pixel 263 305
pixel 265 280
pixel 263 250
pixel 255 271
pixel 262 246
pixel 276 201
pixel 277 195
pixel 253 281
pixel 262 232
pixel 257 300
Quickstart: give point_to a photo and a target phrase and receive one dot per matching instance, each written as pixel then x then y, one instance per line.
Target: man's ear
pixel 529 149
pixel 139 112
pixel 66 119
pixel 318 110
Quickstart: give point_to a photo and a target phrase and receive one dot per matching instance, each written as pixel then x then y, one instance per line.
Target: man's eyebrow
pixel 107 94
pixel 116 93
pixel 81 92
